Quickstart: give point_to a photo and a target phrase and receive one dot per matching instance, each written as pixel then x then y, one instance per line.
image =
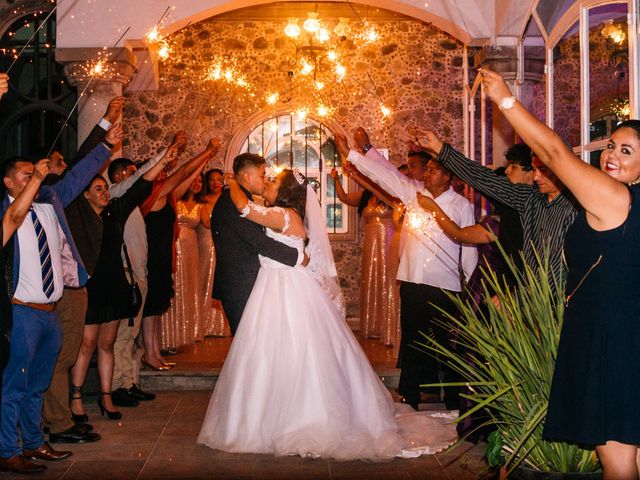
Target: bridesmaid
pixel 213 319
pixel 181 325
pixel 160 212
pixel 379 299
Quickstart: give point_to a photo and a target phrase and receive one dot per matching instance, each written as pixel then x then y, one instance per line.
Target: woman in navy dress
pixel 596 383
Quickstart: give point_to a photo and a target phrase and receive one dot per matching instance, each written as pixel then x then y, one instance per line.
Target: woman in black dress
pixel 594 395
pixel 160 215
pixel 108 288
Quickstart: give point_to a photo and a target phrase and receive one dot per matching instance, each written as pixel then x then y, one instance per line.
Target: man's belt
pixel 45 307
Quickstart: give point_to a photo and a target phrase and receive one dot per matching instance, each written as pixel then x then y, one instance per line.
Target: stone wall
pixel 416 70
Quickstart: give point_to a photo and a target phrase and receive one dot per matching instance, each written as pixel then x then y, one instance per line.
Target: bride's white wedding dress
pixel 296 381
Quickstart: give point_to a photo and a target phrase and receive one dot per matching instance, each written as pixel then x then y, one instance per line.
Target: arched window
pixel 303 143
pixel 39 98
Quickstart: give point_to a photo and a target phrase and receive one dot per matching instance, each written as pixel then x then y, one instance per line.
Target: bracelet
pixel 108 144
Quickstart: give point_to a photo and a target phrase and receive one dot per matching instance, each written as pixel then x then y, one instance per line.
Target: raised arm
pixel 124 205
pixel 99 132
pixel 351 198
pixel 185 171
pixel 367 184
pixel 17 211
pixel 78 177
pixel 274 218
pixel 605 199
pixel 181 189
pixel 156 165
pixel 483 179
pixel 379 170
pixel 473 234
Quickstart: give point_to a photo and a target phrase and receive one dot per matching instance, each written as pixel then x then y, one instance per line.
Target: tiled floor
pixel 158 440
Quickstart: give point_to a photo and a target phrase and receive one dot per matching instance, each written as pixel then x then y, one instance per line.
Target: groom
pixel 238 242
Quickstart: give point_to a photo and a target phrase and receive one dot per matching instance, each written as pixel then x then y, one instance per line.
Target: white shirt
pixel 29 287
pixel 427 255
pixel 135 230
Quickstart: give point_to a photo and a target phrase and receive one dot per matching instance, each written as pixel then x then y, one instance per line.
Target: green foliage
pixel 511 352
pixel 493 452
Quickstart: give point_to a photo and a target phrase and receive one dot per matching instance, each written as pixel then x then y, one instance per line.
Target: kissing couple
pixel 295 380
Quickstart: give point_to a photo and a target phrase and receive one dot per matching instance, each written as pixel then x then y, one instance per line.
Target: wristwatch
pixel 108 144
pixel 507 103
pixel 366 147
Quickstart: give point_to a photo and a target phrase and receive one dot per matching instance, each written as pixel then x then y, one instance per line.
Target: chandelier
pixel 613 32
pixel 319 59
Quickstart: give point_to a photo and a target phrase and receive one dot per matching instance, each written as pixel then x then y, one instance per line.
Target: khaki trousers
pixel 126 354
pixel 71 309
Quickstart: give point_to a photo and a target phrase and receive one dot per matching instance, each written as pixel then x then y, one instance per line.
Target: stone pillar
pixel 503 59
pixel 119 69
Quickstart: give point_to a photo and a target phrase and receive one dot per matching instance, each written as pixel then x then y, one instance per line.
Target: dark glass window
pixel 39 98
pixel 288 141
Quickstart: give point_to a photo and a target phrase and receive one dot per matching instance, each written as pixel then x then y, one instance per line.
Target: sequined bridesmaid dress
pixel 213 321
pixel 180 324
pixel 379 301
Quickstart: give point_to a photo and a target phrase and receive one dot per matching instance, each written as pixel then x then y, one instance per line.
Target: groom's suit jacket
pixel 238 243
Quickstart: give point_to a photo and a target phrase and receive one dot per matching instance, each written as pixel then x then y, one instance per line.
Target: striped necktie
pixel 45 256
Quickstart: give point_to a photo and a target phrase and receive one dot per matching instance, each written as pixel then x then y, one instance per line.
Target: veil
pixel 321 264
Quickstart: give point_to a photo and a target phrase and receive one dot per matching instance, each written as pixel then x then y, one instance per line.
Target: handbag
pixel 135 295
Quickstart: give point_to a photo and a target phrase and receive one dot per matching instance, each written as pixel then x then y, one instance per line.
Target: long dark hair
pixel 205 180
pixel 291 193
pixel 197 197
pixel 364 200
pixel 633 124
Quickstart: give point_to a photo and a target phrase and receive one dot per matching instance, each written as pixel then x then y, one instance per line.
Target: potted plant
pixel 506 352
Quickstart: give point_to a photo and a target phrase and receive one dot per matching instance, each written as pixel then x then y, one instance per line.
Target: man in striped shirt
pixel 546 209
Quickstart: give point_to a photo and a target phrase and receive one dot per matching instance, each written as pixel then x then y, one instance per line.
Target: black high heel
pixel 111 415
pixel 76 394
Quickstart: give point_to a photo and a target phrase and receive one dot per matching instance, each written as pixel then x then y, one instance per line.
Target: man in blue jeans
pixel 45 259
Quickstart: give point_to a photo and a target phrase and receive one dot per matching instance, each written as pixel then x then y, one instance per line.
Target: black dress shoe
pixel 136 392
pixel 75 434
pixel 122 398
pixel 86 427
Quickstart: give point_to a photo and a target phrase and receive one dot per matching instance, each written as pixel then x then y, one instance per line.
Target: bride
pixel 296 381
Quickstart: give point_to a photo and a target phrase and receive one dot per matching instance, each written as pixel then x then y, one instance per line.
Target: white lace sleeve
pixel 276 213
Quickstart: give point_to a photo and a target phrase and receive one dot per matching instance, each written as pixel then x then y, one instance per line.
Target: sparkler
pixel 155 38
pixel 423 226
pixel 97 69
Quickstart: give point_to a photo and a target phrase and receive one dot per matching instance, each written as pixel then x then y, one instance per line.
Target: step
pixel 175 379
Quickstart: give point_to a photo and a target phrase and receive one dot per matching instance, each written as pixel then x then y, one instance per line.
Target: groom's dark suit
pixel 238 242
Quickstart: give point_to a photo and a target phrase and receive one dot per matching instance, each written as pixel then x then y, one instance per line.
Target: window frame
pixel 242 135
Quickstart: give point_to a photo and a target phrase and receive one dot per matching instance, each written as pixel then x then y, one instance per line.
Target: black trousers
pixel 419 314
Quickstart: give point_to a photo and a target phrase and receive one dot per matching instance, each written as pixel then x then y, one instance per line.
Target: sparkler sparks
pixel 227 70
pixel 153 35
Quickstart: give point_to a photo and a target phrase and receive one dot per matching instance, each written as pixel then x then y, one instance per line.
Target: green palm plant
pixel 506 355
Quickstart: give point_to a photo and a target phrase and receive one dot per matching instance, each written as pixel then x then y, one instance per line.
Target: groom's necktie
pixel 45 255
